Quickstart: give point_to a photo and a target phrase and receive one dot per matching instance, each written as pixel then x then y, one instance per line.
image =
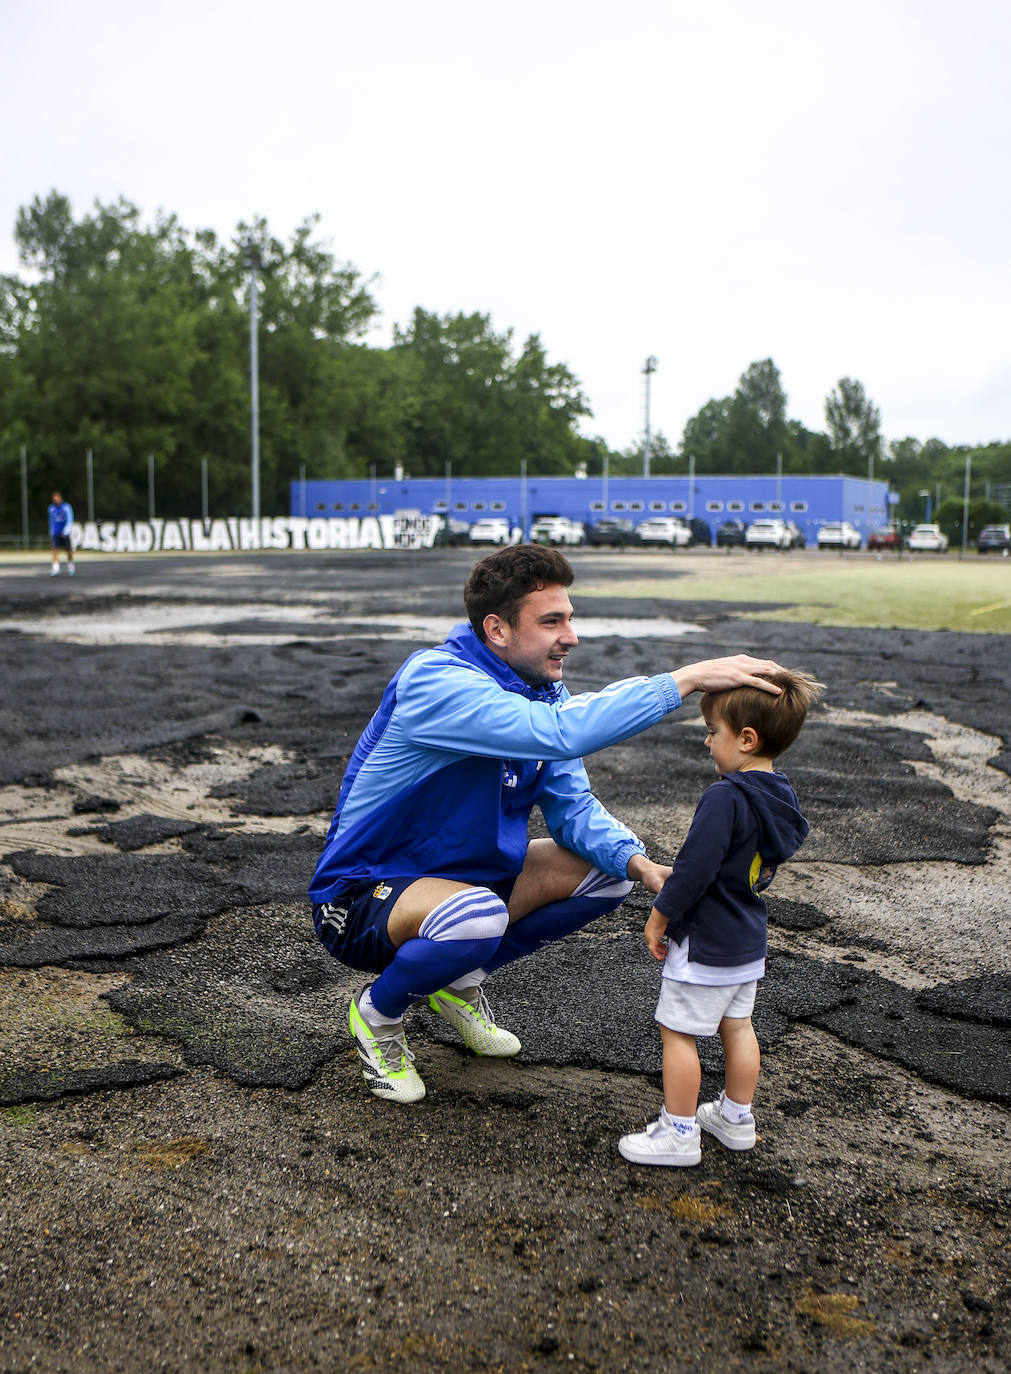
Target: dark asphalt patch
pixel 138 832
pixel 18 1086
pixel 257 997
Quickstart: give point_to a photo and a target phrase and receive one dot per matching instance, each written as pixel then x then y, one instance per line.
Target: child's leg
pixel 682 1073
pixel 743 1058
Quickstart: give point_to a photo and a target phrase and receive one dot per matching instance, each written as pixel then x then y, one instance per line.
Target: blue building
pixel 808 501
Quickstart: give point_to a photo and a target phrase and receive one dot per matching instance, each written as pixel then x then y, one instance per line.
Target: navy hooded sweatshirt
pixel 744 826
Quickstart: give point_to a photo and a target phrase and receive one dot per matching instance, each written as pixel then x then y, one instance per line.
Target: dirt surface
pixel 193 1174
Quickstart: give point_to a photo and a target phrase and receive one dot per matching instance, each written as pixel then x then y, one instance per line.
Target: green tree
pixel 133 340
pixel 481 407
pixel 854 426
pixel 743 433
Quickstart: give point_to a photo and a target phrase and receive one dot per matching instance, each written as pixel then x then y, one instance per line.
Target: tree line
pixel 132 341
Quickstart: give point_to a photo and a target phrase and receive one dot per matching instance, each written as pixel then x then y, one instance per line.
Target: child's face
pixel 724 745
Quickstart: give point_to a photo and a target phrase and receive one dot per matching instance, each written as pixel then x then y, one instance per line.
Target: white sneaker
pixel 659 1144
pixel 387 1063
pixel 70 570
pixel 470 1016
pixel 54 571
pixel 738 1135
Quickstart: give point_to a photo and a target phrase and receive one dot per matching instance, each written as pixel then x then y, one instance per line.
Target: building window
pixel 355 505
pixel 636 505
pixel 858 508
pixel 597 506
pixel 776 507
pixel 618 505
pixel 736 506
pixel 320 505
pixel 798 507
pixel 338 505
pixel 714 506
pixel 758 505
pixel 679 505
pixel 373 505
pixel 441 505
pixel 477 505
pixel 498 505
pixel 459 505
pixel 657 505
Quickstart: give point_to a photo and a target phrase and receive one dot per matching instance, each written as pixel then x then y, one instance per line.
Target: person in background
pixel 61 520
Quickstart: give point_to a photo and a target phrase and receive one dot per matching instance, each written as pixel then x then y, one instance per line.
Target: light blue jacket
pixel 445 775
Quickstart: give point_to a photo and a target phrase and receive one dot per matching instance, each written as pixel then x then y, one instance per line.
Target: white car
pixel 768 534
pixel 838 534
pixel 556 529
pixel 927 539
pixel 490 531
pixel 665 529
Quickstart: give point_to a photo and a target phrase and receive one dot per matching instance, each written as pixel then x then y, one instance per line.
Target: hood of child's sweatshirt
pixel 782 829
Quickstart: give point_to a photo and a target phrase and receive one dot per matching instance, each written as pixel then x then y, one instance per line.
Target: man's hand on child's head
pixel 722 674
pixel 656 935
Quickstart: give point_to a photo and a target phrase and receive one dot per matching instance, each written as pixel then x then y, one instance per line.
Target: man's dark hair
pixel 498 584
pixel 775 719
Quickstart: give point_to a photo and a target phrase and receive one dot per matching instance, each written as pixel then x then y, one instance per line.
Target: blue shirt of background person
pixel 61 520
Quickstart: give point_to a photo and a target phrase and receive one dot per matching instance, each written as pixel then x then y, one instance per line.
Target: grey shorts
pixel 696 1009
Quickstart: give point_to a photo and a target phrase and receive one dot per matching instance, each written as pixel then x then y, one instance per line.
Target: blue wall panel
pixel 808 501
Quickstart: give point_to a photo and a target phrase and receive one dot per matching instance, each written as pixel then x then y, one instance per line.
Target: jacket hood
pixel 462 641
pixel 773 802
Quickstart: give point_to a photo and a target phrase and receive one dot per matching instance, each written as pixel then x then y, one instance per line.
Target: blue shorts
pixel 353 926
pixel 61 541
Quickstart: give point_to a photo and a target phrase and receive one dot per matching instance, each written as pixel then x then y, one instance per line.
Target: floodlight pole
pixel 648 371
pixel 24 495
pixel 253 262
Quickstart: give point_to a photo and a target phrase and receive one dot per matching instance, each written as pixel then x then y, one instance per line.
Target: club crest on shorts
pixel 381 892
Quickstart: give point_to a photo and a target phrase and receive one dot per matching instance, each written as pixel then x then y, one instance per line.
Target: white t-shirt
pixel 680 969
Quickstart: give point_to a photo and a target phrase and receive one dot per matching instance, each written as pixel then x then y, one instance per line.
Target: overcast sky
pixel 712 184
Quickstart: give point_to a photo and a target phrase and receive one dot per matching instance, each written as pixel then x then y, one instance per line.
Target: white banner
pixel 405 530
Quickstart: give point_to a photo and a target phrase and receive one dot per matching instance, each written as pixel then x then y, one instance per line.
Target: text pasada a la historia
pixel 269 532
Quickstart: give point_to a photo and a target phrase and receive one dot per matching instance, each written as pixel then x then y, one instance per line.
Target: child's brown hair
pixel 775 719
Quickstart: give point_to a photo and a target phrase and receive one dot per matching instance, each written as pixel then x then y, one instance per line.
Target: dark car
pixel 617 533
pixel 453 533
pixel 701 533
pixel 887 537
pixel 994 539
pixel 731 534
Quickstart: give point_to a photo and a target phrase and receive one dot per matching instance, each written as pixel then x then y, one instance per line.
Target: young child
pixel 708 924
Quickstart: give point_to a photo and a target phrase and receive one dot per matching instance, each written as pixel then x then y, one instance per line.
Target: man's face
pixel 536 646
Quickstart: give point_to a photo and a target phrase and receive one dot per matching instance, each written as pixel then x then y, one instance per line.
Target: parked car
pixel 798 539
pixel 927 539
pixel 994 537
pixel 612 531
pixel 556 529
pixel 731 534
pixel 767 534
pixel 453 533
pixel 490 530
pixel 838 534
pixel 665 529
pixel 887 537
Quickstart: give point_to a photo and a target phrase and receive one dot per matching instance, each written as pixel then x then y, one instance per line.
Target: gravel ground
pixel 194 1176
